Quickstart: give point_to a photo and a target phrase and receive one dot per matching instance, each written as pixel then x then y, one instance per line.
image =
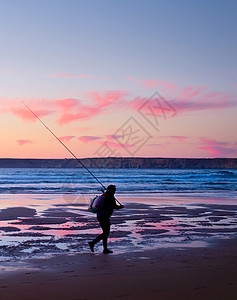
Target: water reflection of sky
pixel 62 224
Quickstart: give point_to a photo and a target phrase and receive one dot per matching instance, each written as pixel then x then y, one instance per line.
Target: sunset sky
pixel 91 69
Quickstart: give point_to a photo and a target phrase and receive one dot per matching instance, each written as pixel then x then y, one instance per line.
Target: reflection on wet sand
pixel 41 226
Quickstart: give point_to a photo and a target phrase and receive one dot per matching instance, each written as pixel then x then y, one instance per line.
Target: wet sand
pixel 163 249
pixel 46 226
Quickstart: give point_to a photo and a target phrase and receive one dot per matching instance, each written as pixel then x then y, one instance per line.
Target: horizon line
pixel 123 157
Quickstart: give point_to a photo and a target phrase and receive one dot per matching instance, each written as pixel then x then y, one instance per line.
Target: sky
pixel 118 78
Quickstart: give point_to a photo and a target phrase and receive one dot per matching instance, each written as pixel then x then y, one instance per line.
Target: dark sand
pixel 193 273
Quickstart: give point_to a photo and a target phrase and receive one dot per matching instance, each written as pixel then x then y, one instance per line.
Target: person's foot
pixel 107 251
pixel 91 245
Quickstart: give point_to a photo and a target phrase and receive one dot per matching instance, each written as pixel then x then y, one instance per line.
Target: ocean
pixel 128 181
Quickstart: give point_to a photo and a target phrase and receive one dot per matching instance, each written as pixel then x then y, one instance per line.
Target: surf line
pixel 104 188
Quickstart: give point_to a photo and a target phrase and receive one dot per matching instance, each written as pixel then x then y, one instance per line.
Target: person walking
pixel 105 211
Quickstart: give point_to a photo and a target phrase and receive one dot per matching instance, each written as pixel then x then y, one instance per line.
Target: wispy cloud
pixel 112 136
pixel 112 145
pixel 41 107
pixel 217 148
pixel 189 92
pixel 103 99
pixel 86 139
pixel 193 100
pixel 217 151
pixel 26 115
pixel 66 110
pixel 206 101
pixel 66 138
pixel 179 138
pixel 153 83
pixel 67 104
pixel 98 102
pixel 24 141
pixel 83 113
pixel 184 100
pixel 213 142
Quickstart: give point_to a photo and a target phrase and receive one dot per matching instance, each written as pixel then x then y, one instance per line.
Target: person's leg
pixel 98 238
pixel 105 225
pixel 106 231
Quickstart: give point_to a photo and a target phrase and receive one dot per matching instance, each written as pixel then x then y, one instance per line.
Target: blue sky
pixel 179 40
pixel 95 45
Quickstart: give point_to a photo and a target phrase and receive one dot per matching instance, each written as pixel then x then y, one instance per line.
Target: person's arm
pixel 116 206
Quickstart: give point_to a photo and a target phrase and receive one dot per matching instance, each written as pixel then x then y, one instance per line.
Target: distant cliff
pixel 124 162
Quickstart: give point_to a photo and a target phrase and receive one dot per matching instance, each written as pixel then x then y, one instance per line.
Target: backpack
pixel 96 204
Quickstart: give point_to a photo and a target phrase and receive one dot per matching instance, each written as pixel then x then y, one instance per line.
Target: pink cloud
pixel 23 142
pixel 41 107
pixel 137 102
pixel 189 92
pixel 197 102
pixel 82 112
pixel 175 137
pixel 68 110
pixel 217 148
pixel 87 139
pixel 153 107
pixel 97 104
pixel 26 115
pixel 111 144
pixel 70 75
pixel 66 138
pixel 152 83
pixel 217 151
pixel 113 136
pixel 209 141
pixel 103 99
pixel 67 104
pixel 186 99
pixel 210 100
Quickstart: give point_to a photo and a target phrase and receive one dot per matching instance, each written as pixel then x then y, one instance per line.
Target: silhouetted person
pixel 104 213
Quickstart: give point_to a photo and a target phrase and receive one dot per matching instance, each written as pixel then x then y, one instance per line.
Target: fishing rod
pixel 67 148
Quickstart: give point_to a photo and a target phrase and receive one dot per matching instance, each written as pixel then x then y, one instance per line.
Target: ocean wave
pixel 128 181
pixel 226 173
pixel 216 183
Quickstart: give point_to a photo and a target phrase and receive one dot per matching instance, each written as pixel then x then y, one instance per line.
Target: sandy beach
pixel 194 273
pixel 163 248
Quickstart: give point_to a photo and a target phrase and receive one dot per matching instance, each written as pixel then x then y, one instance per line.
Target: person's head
pixel 111 189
